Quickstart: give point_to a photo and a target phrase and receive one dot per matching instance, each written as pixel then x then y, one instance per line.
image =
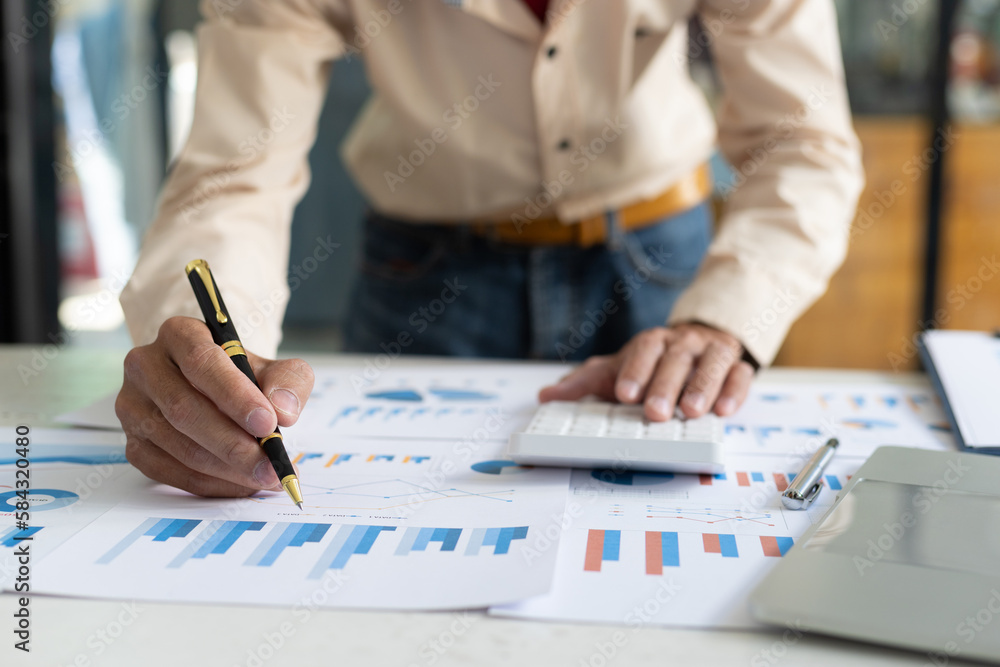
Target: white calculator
pixel 609 435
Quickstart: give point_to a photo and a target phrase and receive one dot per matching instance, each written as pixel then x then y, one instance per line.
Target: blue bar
pixel 349 548
pixel 369 538
pixel 612 544
pixel 475 542
pixel 207 544
pixel 671 555
pixel 423 537
pixel 203 544
pixel 833 482
pixel 331 552
pixel 492 535
pixel 784 544
pixel 721 476
pixel 286 537
pixel 406 544
pixel 757 476
pixel 10 537
pixel 319 531
pixel 176 528
pixel 234 534
pixel 448 538
pixel 503 540
pixel 157 527
pixel 147 527
pixel 309 532
pixel 727 543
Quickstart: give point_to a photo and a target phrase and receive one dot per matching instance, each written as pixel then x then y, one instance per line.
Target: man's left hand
pixel 692 366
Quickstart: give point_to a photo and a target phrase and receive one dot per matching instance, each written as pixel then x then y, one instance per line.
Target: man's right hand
pixel 191 417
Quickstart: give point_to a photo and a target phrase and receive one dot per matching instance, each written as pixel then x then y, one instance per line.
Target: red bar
pixel 595 551
pixel 780 481
pixel 742 479
pixel 770 546
pixel 711 543
pixel 705 480
pixel 654 553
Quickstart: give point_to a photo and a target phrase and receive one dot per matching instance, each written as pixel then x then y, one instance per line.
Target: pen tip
pixel 299 506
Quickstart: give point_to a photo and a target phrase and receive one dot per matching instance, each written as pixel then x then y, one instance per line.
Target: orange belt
pixel 686 193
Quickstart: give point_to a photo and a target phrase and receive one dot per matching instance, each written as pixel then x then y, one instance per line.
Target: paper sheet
pixel 64 497
pixel 681 550
pixel 686 550
pixel 410 505
pixel 968 365
pixel 428 530
pixel 99 414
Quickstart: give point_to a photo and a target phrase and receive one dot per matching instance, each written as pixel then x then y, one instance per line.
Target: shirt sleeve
pixel 262 78
pixel 785 126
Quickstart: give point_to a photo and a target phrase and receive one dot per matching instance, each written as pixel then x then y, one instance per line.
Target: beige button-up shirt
pixel 478 110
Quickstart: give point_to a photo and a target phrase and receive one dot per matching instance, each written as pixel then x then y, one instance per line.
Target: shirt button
pixel 563 145
pixel 551 53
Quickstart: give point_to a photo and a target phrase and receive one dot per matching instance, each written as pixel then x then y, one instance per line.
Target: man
pixel 534 170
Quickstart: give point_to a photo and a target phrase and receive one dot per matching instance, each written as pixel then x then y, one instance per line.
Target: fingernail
pixel 629 389
pixel 725 406
pixel 660 405
pixel 260 422
pixel 285 401
pixel 695 400
pixel 265 475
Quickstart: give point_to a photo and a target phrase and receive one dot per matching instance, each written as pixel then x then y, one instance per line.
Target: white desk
pixel 95 632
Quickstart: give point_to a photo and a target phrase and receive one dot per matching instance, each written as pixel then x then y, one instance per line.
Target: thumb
pixel 287 383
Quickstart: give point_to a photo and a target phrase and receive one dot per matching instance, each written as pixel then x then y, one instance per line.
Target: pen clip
pixel 792 499
pixel 200 267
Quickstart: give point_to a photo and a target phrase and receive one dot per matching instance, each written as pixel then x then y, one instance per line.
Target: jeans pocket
pixel 399 251
pixel 670 251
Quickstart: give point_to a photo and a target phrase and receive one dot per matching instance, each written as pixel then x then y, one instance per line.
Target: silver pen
pixel 808 483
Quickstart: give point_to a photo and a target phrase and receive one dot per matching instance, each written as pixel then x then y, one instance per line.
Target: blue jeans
pixel 442 290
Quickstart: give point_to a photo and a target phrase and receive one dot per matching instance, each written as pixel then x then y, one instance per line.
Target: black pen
pixel 224 334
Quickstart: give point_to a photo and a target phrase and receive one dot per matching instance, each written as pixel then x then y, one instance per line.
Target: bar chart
pixel 11 536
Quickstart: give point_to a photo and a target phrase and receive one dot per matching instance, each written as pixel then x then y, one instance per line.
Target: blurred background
pixel 97 97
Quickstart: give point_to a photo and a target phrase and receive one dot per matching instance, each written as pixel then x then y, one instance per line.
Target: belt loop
pixel 614 231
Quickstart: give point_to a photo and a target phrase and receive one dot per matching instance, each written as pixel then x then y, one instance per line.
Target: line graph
pixel 382 495
pixel 709 515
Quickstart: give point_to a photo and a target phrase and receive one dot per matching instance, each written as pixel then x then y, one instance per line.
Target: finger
pixel 710 372
pixel 189 411
pixel 286 383
pixel 207 367
pixel 735 389
pixel 671 373
pixel 159 466
pixel 595 377
pixel 639 361
pixel 188 453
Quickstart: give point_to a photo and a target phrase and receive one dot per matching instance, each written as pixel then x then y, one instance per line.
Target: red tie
pixel 539 7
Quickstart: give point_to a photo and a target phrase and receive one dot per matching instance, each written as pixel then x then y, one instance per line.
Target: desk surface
pixel 40 383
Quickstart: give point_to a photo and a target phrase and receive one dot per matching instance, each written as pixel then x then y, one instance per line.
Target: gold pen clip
pixel 200 267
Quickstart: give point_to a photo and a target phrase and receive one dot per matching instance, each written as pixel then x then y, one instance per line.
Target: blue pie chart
pixel 39 499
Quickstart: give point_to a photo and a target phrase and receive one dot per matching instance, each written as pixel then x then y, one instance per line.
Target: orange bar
pixel 595 551
pixel 705 480
pixel 299 457
pixel 770 546
pixel 742 479
pixel 780 481
pixel 371 458
pixel 333 459
pixel 711 543
pixel 654 552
